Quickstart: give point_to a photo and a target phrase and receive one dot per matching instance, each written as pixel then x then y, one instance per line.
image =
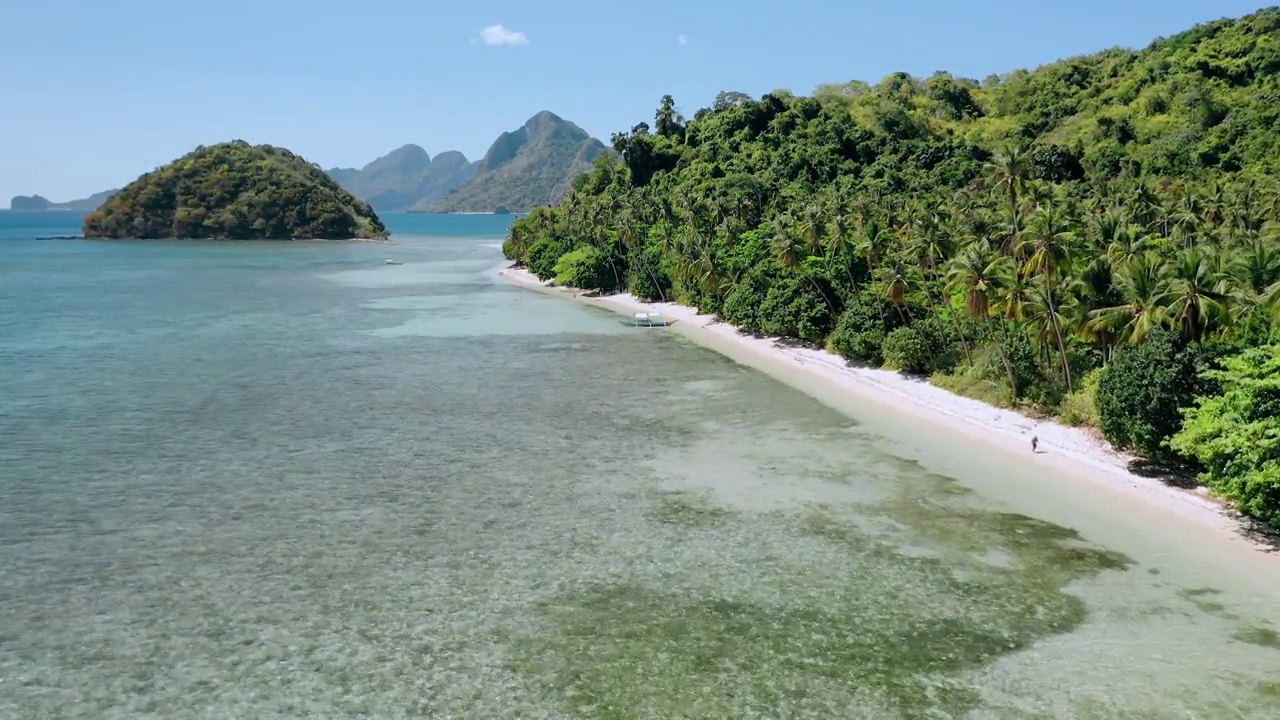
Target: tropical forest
pixel 235 190
pixel 1096 240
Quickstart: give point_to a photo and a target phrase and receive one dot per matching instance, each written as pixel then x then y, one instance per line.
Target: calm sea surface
pixel 285 480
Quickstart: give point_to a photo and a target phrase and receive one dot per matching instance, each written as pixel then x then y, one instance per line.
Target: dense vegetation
pixel 235 191
pixel 1096 238
pixel 531 166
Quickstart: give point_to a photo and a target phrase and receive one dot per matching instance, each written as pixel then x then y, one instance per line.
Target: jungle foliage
pixel 235 191
pixel 1111 216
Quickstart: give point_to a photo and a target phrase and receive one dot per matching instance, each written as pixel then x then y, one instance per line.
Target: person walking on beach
pixel 1035 443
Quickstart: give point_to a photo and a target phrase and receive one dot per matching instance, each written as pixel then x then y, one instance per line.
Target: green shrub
pixel 742 306
pixel 1143 390
pixel 1032 382
pixel 793 307
pixel 921 348
pixel 543 256
pixel 1081 406
pixel 647 278
pixel 1235 435
pixel 862 328
pixel 907 349
pixel 585 268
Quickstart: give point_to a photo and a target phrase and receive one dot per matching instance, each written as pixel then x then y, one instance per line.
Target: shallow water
pixel 277 481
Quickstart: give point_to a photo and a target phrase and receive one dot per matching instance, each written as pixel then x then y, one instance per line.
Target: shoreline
pixel 1069 450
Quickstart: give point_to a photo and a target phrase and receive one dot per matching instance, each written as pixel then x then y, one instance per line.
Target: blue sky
pixel 96 92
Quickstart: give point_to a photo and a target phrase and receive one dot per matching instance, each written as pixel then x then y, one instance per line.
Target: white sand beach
pixel 1073 452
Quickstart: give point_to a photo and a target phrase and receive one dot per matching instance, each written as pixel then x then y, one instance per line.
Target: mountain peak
pixel 547 123
pixel 532 165
pixel 406 157
pixel 451 157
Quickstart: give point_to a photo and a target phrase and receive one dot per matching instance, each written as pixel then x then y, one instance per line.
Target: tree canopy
pixel 1009 236
pixel 235 191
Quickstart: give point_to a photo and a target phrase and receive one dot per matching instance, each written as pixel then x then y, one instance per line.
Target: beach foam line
pixel 1073 451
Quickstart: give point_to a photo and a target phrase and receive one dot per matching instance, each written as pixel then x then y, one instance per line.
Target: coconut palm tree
pixel 632 233
pixel 893 280
pixel 838 241
pixel 1254 269
pixel 874 241
pixel 1009 173
pixel 790 247
pixel 1143 282
pixel 977 272
pixel 1197 301
pixel 1049 238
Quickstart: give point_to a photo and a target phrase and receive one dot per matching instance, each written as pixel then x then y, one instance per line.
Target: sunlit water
pixel 287 480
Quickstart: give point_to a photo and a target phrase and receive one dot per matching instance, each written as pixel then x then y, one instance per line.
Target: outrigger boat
pixel 646 319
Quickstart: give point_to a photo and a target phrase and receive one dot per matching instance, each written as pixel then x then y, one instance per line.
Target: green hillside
pixel 235 191
pixel 1091 238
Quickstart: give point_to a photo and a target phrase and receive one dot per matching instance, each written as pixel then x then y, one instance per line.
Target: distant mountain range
pixel 39 202
pixel 404 177
pixel 527 167
pixel 530 166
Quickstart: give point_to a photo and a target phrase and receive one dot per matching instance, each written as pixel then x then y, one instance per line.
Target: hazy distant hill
pixel 405 176
pixel 39 202
pixel 534 165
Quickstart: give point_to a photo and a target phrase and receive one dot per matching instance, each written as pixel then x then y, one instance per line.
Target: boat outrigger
pixel 647 319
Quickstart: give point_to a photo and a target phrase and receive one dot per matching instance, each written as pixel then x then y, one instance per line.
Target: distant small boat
pixel 645 319
pixel 393 262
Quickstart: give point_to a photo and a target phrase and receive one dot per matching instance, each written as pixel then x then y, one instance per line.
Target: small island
pixel 29 202
pixel 235 191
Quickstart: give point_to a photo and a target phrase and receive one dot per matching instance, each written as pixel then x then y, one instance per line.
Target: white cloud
pixel 499 35
pixel 682 39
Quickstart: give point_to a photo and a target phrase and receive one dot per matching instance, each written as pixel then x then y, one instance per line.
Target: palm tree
pixel 1047 312
pixel 1197 302
pixel 629 232
pixel 1009 173
pixel 597 219
pixel 838 243
pixel 1254 270
pixel 874 241
pixel 1143 282
pixel 893 279
pixel 812 227
pixel 789 248
pixel 1049 238
pixel 976 273
pixel 1186 219
pixel 1129 242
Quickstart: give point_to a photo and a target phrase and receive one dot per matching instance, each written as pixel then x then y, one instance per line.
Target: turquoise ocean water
pixel 286 480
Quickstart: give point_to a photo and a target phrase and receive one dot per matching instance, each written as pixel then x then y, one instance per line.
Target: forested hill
pixel 235 191
pixel 1091 238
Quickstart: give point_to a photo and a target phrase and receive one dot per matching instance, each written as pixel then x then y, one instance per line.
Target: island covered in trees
pixel 1096 239
pixel 235 191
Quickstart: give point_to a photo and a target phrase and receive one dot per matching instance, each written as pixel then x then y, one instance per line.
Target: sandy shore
pixel 1071 451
